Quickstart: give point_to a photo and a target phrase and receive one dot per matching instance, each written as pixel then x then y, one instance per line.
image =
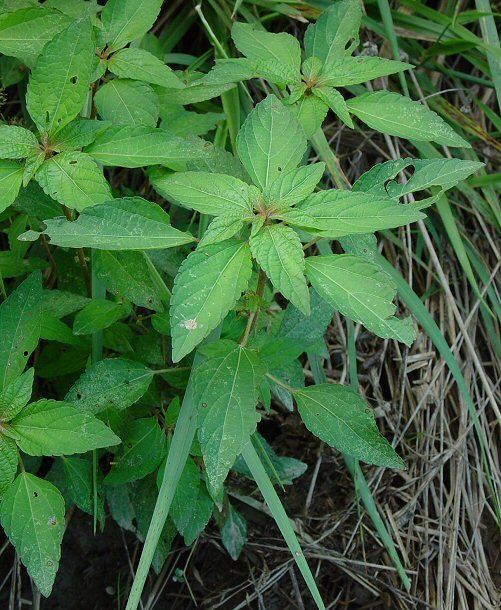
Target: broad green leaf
pixel 130 223
pixel 127 102
pixel 32 515
pixel 126 20
pixel 199 91
pixel 20 322
pixel 98 314
pixel 49 427
pixel 208 193
pixel 397 115
pixel 77 134
pixel 340 417
pixel 142 65
pixel 16 142
pixel 353 70
pixel 11 178
pixel 434 172
pixel 335 213
pixel 445 173
pixel 112 383
pixel 16 395
pixel 33 163
pixel 60 81
pixel 9 459
pixel 336 103
pixel 226 388
pixel 12 71
pixel 310 111
pixel 127 275
pixel 335 32
pixel 142 451
pixel 261 45
pixel 56 330
pixel 270 141
pixel 228 71
pixel 137 146
pixel 307 329
pixel 25 32
pixel 74 8
pixel 233 528
pixel 185 123
pixel 361 291
pixel 222 228
pixel 191 505
pixel 293 186
pixel 62 303
pixel 279 252
pixel 74 179
pixel 207 286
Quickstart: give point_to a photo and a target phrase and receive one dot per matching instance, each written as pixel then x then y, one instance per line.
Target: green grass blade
pixel 384 9
pixel 282 520
pixel 182 439
pixel 491 39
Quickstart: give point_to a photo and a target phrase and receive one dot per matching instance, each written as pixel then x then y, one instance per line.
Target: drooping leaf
pixel 16 142
pixel 25 32
pixel 191 505
pixel 11 178
pixel 138 146
pixel 226 389
pixel 279 252
pixel 340 417
pixel 397 115
pixel 126 20
pixel 142 65
pixel 127 102
pixel 208 284
pixel 127 275
pixel 270 141
pixel 20 323
pixel 233 527
pixel 98 314
pixel 209 193
pixel 74 179
pixel 359 290
pixel 9 459
pixel 143 450
pixel 130 223
pixel 50 427
pixel 16 395
pixel 60 81
pixel 335 32
pixel 112 383
pixel 32 515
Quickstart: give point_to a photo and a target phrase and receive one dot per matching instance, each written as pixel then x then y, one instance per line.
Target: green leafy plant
pixel 170 314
